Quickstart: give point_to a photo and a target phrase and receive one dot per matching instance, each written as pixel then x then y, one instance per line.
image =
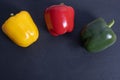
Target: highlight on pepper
pixel 98 35
pixel 21 29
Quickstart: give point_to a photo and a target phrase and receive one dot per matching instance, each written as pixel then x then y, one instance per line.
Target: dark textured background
pixel 60 58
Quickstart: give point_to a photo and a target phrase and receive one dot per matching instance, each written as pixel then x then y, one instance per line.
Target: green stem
pixel 110 24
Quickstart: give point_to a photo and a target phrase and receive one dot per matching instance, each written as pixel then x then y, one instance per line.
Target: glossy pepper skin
pixel 21 29
pixel 98 35
pixel 59 19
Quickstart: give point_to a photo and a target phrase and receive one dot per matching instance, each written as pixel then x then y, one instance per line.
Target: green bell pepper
pixel 98 35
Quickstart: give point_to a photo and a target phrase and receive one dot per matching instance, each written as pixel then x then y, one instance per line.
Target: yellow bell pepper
pixel 21 29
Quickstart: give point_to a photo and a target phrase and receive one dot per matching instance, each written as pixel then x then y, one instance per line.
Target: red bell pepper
pixel 59 19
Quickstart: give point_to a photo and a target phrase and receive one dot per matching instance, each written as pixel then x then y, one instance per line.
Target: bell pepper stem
pixel 11 14
pixel 110 24
pixel 61 3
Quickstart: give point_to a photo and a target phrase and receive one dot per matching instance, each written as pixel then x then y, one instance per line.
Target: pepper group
pixel 96 36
